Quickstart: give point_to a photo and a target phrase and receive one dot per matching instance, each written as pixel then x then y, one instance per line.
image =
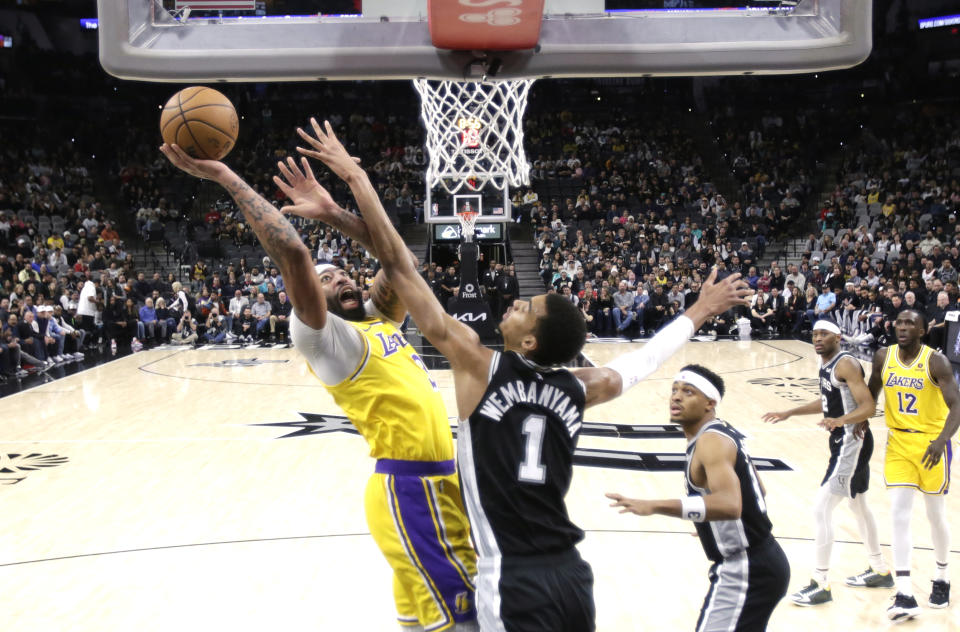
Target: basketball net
pixel 468 223
pixel 474 133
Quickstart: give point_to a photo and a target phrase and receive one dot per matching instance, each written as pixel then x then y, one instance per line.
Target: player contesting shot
pixel 412 501
pixel 520 416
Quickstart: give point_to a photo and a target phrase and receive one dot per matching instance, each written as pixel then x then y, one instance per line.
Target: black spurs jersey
pixel 724 538
pixel 836 395
pixel 848 472
pixel 515 457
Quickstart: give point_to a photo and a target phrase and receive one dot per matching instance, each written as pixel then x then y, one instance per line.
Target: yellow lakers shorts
pixel 903 465
pixel 416 516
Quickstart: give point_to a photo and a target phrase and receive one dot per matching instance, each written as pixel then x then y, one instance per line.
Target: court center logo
pixel 316 424
pixel 15 467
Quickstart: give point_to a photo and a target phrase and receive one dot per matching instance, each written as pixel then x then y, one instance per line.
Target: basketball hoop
pixel 468 222
pixel 474 133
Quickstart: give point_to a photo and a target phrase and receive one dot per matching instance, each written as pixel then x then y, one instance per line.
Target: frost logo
pixel 450 232
pixel 15 467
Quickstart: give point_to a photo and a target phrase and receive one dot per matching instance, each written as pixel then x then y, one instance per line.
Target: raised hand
pixel 720 296
pixel 327 148
pixel 310 199
pixel 206 169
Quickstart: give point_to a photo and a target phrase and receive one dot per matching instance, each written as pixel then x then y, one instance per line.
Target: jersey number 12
pixel 907 403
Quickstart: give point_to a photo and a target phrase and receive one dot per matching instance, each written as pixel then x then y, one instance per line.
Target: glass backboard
pixel 283 40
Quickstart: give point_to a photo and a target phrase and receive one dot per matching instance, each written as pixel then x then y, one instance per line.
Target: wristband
pixel 693 508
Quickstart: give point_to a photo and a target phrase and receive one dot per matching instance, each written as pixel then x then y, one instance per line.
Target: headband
pixel 323 267
pixel 701 383
pixel 826 325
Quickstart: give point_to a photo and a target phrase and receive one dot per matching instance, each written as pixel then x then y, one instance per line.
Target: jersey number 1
pixel 531 469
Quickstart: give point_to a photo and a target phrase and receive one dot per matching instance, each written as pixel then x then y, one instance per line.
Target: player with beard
pixel 520 415
pixel 413 504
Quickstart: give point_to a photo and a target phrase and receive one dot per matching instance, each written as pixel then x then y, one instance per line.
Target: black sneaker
pixel 940 596
pixel 903 608
pixel 812 595
pixel 871 579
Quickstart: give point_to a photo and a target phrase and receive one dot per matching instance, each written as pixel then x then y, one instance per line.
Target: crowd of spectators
pixel 629 214
pixel 888 237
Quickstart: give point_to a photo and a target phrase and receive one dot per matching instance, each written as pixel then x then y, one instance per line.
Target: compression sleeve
pixel 637 365
pixel 333 352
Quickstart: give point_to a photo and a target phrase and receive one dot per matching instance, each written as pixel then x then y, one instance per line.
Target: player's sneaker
pixel 812 595
pixel 871 579
pixel 940 596
pixel 903 608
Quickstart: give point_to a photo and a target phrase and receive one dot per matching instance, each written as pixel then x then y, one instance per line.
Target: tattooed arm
pixel 312 201
pixel 275 233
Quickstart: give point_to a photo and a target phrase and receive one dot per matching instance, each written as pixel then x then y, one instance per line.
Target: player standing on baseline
pixel 520 417
pixel 725 501
pixel 845 403
pixel 412 501
pixel 922 410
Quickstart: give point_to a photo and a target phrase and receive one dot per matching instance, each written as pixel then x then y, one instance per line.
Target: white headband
pixel 701 383
pixel 323 267
pixel 826 325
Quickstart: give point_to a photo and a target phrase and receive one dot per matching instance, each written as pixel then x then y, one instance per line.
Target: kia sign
pixel 476 314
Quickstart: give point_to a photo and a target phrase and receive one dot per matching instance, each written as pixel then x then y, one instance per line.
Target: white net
pixel 474 133
pixel 468 223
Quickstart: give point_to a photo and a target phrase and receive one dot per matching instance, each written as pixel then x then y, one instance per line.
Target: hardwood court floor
pixel 147 494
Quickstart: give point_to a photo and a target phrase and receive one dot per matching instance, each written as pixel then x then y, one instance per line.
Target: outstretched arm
pixel 718 457
pixel 456 341
pixel 312 201
pixel 810 408
pixel 275 233
pixel 608 382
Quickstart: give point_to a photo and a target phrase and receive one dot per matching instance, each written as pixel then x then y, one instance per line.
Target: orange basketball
pixel 202 121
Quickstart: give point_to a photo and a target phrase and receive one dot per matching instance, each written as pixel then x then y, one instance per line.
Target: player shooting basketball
pixel 520 416
pixel 413 504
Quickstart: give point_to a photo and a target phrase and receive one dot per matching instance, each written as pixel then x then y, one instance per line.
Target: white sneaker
pixel 59 358
pixel 78 355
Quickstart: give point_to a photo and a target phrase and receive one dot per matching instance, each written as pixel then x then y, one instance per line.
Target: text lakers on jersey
pixel 913 401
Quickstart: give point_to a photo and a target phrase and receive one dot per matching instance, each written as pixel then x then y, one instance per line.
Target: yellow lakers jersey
pixel 392 400
pixel 912 400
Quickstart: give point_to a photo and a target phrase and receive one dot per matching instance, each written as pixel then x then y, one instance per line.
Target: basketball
pixel 202 121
